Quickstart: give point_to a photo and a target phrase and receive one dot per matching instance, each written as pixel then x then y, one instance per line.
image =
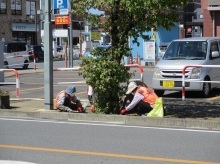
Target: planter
pixel 4 101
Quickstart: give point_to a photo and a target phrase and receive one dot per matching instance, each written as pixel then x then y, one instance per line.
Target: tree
pixel 124 18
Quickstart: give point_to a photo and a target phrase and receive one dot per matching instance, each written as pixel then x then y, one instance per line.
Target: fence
pixel 195 66
pixel 78 68
pixel 17 80
pixel 140 69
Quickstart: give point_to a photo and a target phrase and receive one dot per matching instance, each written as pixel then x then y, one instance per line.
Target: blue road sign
pixel 60 7
pixel 60 4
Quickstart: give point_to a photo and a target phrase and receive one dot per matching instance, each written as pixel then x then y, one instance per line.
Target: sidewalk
pixel 181 115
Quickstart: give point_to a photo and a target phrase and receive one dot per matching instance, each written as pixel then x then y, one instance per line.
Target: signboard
pixel 23 27
pixel 95 35
pixel 60 7
pixel 62 20
pixel 149 51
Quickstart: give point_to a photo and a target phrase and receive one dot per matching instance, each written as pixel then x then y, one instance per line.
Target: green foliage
pixel 107 78
pixel 123 18
pixel 4 93
pixel 130 17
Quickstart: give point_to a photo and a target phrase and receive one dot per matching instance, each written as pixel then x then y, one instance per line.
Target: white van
pixel 16 55
pixel 185 52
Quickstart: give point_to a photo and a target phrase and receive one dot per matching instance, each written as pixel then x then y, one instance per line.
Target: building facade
pixel 20 21
pixel 211 12
pixel 191 19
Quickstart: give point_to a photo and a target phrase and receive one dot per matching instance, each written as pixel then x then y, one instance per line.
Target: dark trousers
pixel 141 108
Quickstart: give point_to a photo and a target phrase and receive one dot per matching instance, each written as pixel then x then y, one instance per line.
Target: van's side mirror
pixel 215 54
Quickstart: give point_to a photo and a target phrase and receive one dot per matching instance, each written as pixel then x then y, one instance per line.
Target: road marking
pixel 109 124
pixel 104 154
pixel 31 89
pixel 14 162
pixel 36 99
pixel 213 98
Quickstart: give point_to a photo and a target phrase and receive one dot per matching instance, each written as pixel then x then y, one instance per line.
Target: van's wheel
pixel 25 66
pixel 159 93
pixel 206 88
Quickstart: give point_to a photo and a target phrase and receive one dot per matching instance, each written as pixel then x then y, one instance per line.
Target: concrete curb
pixel 114 119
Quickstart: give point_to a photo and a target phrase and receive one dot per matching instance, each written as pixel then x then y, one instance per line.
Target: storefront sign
pixel 95 35
pixel 23 27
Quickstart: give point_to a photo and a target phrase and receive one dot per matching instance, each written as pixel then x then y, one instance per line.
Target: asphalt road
pixel 32 88
pixel 46 142
pixel 32 83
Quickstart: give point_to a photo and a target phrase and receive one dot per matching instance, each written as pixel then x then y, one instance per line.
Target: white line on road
pixel 112 125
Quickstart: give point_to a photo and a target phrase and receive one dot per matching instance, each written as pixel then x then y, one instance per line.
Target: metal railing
pixel 17 83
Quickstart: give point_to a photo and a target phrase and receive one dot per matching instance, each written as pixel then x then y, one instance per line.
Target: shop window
pixel 16 7
pixel 3 7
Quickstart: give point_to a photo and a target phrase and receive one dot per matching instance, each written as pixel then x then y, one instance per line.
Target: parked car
pixel 184 52
pixel 38 51
pixel 59 48
pixel 16 55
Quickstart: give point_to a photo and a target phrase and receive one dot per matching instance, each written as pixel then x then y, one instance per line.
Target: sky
pixel 96 11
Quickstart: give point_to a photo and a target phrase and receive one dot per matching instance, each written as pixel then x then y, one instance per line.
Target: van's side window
pixel 15 47
pixel 214 47
pixel 11 48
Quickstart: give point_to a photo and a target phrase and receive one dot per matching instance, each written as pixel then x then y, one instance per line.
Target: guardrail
pixel 17 80
pixel 78 68
pixel 140 69
pixel 194 80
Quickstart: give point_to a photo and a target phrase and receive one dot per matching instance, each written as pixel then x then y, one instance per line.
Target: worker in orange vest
pixel 66 100
pixel 142 99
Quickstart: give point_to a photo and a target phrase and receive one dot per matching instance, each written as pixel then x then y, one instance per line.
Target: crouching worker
pixel 142 99
pixel 66 101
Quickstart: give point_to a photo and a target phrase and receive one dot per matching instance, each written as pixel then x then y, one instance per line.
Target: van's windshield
pixel 186 50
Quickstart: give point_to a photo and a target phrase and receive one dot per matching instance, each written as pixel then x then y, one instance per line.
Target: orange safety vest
pixel 149 95
pixel 57 98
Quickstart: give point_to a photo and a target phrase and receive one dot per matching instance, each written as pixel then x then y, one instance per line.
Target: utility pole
pixel 35 20
pixel 48 58
pixel 71 42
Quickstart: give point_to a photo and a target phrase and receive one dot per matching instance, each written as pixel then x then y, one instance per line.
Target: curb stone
pixel 114 119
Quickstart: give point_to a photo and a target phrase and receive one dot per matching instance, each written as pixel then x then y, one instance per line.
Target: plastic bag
pixel 157 111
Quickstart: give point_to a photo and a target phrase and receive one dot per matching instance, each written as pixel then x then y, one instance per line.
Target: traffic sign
pixel 60 7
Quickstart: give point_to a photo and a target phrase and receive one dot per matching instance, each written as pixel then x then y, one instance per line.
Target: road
pixel 32 90
pixel 32 84
pixel 41 141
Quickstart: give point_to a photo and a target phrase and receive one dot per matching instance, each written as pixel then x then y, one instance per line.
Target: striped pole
pixel 17 80
pixel 140 69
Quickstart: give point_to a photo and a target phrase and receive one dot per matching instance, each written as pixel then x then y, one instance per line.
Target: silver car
pixel 184 52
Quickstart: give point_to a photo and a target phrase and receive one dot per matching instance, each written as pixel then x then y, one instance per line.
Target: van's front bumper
pixel 176 84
